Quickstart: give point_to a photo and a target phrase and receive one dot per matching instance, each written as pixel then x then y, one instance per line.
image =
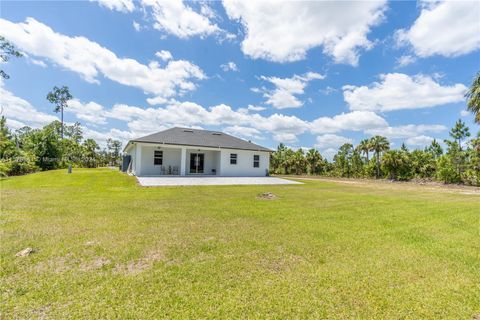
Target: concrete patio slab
pixel 211 181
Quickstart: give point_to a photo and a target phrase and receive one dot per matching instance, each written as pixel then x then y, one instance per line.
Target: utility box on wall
pixel 126 162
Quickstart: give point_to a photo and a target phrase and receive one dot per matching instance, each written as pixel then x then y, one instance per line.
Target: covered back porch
pixel 167 160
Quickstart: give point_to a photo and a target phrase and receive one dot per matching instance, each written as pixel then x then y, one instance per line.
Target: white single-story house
pixel 193 152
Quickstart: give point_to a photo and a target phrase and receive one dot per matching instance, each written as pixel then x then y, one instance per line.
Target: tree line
pixel 28 150
pixel 373 158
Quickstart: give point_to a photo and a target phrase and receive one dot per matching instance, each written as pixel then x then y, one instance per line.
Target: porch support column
pixel 183 161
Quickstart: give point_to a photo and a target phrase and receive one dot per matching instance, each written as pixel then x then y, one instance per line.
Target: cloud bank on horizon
pixel 308 74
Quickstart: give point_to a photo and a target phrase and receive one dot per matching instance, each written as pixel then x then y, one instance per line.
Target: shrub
pixel 5 167
pixel 471 177
pixel 23 163
pixel 446 170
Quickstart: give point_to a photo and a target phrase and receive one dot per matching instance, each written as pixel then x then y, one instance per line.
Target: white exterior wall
pixel 244 166
pixel 171 157
pixel 143 159
pixel 210 161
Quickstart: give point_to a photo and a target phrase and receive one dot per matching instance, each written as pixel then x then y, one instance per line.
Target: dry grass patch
pixel 267 196
pixel 140 265
pixel 95 264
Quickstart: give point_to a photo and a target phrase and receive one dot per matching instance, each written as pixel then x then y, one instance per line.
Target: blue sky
pixel 309 74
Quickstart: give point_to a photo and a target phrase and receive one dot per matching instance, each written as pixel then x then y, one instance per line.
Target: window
pixel 233 158
pixel 256 161
pixel 158 157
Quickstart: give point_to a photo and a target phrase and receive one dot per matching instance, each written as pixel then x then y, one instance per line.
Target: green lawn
pixel 108 248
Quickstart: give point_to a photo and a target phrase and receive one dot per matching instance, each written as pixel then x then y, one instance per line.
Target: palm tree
pixel 397 164
pixel 379 144
pixel 313 158
pixel 473 95
pixel 298 161
pixel 276 158
pixel 60 97
pixel 283 157
pixel 364 147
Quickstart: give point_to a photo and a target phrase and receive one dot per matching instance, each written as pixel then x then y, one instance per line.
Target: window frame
pixel 234 158
pixel 256 161
pixel 158 158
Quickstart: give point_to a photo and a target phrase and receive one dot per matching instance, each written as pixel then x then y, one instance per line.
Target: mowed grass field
pixel 107 248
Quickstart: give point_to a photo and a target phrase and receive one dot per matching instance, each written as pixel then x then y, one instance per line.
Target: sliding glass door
pixel 196 162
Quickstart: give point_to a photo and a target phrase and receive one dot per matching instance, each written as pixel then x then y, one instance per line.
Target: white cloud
pixel 174 17
pixel 398 91
pixel 255 108
pixel 157 100
pixel 448 28
pixel 118 5
pixel 419 141
pixel 285 31
pixel 91 112
pixel 285 137
pixel 191 114
pixel 283 127
pixel 19 111
pixel 464 113
pixel 331 141
pixel 101 137
pixel 355 121
pixel 89 59
pixel 207 11
pixel 15 124
pixel 230 66
pixel 37 62
pixel 286 90
pixel 405 60
pixel 136 26
pixel 279 123
pixel 405 131
pixel 328 90
pixel 245 132
pixel 164 55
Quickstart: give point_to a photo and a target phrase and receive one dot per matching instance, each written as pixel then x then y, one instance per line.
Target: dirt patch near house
pixel 282 263
pixel 42 312
pixel 96 264
pixel 54 264
pixel 137 266
pixel 279 261
pixel 266 196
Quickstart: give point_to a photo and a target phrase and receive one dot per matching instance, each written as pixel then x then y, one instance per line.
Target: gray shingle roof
pixel 201 138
